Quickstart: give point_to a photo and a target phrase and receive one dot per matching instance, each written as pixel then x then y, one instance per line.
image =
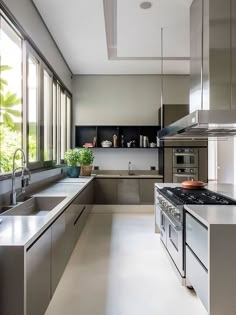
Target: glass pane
pixel 58 124
pixel 63 125
pixel 68 125
pixel 47 91
pixel 10 96
pixel 54 129
pixel 33 86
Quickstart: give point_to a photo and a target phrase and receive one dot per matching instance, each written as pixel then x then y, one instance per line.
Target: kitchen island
pixel 209 233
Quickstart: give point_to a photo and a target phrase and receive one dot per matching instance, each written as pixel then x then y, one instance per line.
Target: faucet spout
pixel 24 181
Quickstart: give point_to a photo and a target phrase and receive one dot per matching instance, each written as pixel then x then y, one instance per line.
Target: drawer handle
pixel 79 215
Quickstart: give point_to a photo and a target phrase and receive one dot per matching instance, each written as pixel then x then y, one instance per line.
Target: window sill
pixel 38 170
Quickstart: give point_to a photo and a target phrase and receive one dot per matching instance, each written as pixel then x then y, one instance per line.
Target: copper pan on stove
pixel 193 184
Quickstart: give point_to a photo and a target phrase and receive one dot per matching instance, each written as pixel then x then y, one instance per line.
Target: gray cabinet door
pixel 128 191
pixel 59 250
pixel 146 188
pixel 38 275
pixel 106 191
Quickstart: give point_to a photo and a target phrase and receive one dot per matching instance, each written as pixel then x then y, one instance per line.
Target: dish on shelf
pixel 88 145
pixel 106 144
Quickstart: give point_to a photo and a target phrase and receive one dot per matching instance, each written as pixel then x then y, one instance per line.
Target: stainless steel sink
pixel 35 206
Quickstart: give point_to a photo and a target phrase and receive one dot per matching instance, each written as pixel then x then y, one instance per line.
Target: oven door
pixel 185 157
pixel 175 244
pixel 163 228
pixel 179 178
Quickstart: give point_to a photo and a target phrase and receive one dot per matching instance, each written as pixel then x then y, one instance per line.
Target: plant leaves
pixel 9 100
pixel 13 112
pixel 4 68
pixel 7 119
pixel 3 83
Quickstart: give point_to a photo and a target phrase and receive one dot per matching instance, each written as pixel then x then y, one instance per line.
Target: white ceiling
pixel 118 37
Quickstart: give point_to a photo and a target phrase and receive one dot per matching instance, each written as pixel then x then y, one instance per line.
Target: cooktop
pixel 178 196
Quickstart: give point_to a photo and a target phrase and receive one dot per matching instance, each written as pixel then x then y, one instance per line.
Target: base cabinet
pixel 38 275
pixel 30 275
pixel 59 253
pixel 125 191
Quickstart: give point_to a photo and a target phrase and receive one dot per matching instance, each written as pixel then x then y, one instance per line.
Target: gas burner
pixel 182 196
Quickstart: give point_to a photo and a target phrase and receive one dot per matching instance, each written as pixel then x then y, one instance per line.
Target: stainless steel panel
pixel 196 22
pixel 219 21
pixel 197 238
pixel 146 189
pixel 157 211
pixel 179 178
pixel 128 191
pixel 203 164
pixel 168 165
pixel 175 246
pixel 59 251
pixel 163 228
pixel 197 275
pixel 185 158
pixel 38 275
pixel 106 191
pixel 233 12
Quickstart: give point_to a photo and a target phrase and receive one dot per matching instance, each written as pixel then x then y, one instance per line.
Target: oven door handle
pixel 185 154
pixel 184 175
pixel 177 227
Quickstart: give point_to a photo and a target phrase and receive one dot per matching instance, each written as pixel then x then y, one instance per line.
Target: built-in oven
pixel 185 157
pixel 180 174
pixel 174 243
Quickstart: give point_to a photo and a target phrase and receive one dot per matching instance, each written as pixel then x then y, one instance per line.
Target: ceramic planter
pixel 86 170
pixel 73 171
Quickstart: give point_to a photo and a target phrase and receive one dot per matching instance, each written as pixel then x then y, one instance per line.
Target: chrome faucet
pixel 24 181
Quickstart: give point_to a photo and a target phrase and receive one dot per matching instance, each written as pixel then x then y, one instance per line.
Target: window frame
pixel 30 49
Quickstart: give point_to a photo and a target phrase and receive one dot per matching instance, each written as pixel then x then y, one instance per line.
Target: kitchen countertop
pixel 23 230
pixel 212 214
pixel 124 174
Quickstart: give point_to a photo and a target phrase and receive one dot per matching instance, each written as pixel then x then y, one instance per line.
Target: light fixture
pixel 145 5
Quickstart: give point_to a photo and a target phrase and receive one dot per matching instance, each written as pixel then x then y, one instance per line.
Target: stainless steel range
pixel 169 216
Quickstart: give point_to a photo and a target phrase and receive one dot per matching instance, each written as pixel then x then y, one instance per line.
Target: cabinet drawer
pixel 197 238
pixel 197 276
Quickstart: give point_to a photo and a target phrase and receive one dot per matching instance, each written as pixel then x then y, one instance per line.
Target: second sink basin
pixel 35 206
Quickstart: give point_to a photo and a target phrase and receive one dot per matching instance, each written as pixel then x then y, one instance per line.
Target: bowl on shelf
pixel 106 144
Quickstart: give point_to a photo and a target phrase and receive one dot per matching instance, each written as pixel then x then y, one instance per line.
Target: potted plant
pixel 72 160
pixel 86 158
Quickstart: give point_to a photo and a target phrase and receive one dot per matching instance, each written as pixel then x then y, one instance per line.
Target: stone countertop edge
pixel 212 214
pixel 41 223
pixel 128 176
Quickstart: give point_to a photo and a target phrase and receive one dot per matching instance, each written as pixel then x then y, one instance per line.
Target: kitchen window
pixel 11 108
pixel 35 107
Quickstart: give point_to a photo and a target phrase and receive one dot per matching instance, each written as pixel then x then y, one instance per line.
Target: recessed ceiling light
pixel 145 5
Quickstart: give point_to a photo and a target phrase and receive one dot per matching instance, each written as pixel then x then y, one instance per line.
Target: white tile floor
pixel 119 268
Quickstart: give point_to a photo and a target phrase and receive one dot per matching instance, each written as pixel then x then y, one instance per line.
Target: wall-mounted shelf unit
pixel 85 134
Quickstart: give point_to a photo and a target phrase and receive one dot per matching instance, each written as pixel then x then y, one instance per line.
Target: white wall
pixel 115 159
pixel 26 14
pixel 125 100
pixel 225 161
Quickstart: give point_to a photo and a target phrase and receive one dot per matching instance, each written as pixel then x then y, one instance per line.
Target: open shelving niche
pixel 85 134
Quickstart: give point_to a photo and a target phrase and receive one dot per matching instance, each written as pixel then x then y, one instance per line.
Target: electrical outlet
pixel 152 168
pixel 96 168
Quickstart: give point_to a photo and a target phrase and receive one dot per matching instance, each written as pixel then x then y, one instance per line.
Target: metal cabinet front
pixel 38 275
pixel 175 245
pixel 197 238
pixel 146 187
pixel 59 250
pixel 197 275
pixel 163 228
pixel 128 191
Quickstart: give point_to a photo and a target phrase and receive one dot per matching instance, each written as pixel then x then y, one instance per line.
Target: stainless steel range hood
pixel 212 73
